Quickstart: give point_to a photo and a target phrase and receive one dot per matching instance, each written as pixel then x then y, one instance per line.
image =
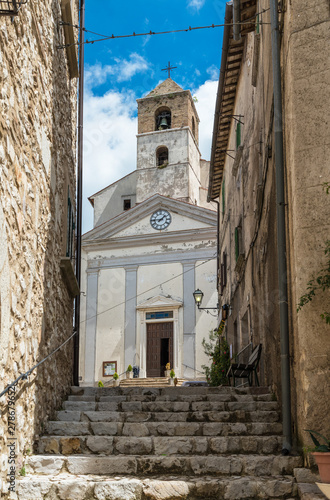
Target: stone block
pixel 33 489
pixel 173 446
pixel 103 416
pixel 304 475
pixel 79 406
pixel 70 446
pixel 133 446
pixel 128 489
pixel 68 428
pixel 74 490
pixel 108 406
pixel 163 465
pixel 112 399
pixel 88 399
pixel 101 465
pixel 69 416
pixel 208 406
pixel 241 488
pixel 135 430
pixel 100 444
pixel 165 490
pixel 49 445
pixel 105 428
pixel 131 406
pixel 43 464
pixel 276 488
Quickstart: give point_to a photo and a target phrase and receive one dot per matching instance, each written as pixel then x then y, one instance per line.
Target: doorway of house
pixel 159 348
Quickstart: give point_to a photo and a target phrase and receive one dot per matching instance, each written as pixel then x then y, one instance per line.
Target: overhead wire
pixel 149 289
pixel 149 33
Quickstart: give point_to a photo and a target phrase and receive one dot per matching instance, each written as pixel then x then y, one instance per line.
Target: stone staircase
pixel 166 443
pixel 148 382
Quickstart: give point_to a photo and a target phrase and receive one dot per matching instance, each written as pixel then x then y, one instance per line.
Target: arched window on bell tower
pixel 163 118
pixel 161 156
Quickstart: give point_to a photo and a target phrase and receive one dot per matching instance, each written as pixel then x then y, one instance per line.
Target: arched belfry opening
pixel 161 156
pixel 163 118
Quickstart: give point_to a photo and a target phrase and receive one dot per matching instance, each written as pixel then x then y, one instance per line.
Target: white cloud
pixel 196 4
pixel 122 70
pixel 213 71
pixel 206 95
pixel 110 128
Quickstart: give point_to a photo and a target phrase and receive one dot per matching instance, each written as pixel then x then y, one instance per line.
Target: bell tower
pixel 168 158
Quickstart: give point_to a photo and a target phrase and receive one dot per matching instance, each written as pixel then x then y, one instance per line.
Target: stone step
pixel 69 419
pixel 145 429
pixel 64 486
pixel 171 406
pixel 158 445
pixel 106 391
pixel 213 465
pixel 151 396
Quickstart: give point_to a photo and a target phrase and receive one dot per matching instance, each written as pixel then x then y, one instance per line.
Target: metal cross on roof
pixel 169 69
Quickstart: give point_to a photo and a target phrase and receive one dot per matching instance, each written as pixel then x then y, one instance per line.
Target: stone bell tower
pixel 168 158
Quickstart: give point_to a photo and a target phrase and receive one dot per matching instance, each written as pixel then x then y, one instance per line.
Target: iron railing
pixel 24 376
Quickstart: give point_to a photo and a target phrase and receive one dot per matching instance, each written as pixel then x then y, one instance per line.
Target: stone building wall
pixel 306 70
pixel 250 203
pixel 37 170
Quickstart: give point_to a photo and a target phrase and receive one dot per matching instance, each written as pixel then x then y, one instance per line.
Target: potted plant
pixel 167 370
pixel 129 372
pixel 321 453
pixel 171 379
pixel 115 379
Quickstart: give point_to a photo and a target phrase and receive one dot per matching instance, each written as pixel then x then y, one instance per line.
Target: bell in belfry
pixel 163 123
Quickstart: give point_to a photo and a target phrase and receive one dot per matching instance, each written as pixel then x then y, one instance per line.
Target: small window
pixel 223 275
pixel 193 126
pixel 127 204
pixel 223 198
pixel 238 242
pixel 238 134
pixel 163 118
pixel 162 156
pixel 159 315
pixel 70 228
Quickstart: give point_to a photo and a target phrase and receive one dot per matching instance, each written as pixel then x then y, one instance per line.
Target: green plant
pixel 100 384
pixel 322 281
pixel 129 368
pixel 115 376
pixel 324 448
pixel 172 373
pixel 217 349
pixel 22 472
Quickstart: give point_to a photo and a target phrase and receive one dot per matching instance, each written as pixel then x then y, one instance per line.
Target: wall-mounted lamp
pixel 198 297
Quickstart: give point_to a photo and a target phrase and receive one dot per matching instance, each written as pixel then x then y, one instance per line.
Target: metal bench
pixel 242 370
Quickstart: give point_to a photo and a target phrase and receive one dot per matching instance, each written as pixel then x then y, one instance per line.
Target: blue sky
pixel 119 71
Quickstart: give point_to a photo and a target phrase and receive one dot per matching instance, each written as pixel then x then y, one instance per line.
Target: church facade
pixel 153 243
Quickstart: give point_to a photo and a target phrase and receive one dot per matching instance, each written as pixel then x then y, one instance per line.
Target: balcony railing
pixel 10 7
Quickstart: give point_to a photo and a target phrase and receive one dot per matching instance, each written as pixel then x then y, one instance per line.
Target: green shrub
pixel 129 368
pixel 218 351
pixel 115 376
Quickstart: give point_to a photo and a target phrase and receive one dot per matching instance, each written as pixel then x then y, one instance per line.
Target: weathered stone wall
pixel 252 286
pixel 182 111
pixel 37 159
pixel 306 70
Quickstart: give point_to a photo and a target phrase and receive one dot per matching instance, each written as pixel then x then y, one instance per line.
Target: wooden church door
pixel 159 348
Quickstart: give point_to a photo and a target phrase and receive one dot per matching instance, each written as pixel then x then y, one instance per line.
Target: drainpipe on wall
pixel 79 189
pixel 281 233
pixel 236 20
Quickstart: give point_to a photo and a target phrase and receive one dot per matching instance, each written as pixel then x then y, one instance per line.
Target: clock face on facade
pixel 160 220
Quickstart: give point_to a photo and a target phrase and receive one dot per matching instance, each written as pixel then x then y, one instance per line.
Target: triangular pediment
pixel 135 223
pixel 160 302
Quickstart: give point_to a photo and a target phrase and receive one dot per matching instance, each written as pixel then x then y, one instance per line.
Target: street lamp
pixel 198 297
